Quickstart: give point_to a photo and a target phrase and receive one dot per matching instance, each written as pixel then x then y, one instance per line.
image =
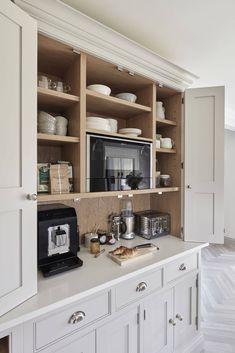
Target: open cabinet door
pixel 18 102
pixel 204 165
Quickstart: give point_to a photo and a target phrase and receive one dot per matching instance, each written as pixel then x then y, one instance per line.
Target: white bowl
pixel 96 119
pixel 98 126
pixel 100 89
pixel 130 97
pixel 113 125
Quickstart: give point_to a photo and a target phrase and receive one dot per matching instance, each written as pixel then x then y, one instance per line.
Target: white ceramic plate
pixel 130 131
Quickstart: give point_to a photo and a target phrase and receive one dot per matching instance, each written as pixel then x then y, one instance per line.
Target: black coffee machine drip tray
pixel 64 263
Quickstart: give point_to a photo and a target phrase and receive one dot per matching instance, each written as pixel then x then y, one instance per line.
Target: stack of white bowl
pixel 97 123
pixel 113 125
pixel 61 125
pixel 46 123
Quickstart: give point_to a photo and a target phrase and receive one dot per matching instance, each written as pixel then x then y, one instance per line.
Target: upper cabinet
pixel 18 227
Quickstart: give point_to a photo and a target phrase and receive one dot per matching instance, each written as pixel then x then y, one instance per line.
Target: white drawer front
pixel 180 267
pixel 61 323
pixel 137 287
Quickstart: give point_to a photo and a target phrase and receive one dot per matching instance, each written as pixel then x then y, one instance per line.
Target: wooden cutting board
pixel 142 254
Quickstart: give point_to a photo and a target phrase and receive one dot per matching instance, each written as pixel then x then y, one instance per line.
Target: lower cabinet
pixel 170 318
pixel 185 311
pixel 120 335
pixel 157 331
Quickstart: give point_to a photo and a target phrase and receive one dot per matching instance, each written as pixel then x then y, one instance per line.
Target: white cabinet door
pixel 158 331
pixel 185 310
pixel 18 232
pixel 120 335
pixel 204 165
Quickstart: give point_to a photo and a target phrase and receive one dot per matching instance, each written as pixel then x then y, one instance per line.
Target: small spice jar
pixel 102 236
pixel 165 180
pixel 94 246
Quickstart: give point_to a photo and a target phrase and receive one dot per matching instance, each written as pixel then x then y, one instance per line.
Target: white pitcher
pixel 160 110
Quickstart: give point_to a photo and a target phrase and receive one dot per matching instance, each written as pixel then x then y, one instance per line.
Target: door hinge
pixel 197 283
pixel 182 230
pixel 224 231
pixel 182 100
pixel 182 165
pixel 196 321
pixel 144 314
pixel 138 318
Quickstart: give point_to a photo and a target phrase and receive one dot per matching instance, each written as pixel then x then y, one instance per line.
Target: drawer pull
pixel 182 267
pixel 179 317
pixel 172 322
pixel 141 287
pixel 77 317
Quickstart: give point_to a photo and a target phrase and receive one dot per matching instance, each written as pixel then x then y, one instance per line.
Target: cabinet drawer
pixel 137 287
pixel 63 322
pixel 180 267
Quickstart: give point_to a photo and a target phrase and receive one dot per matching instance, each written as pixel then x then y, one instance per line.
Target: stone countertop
pixel 96 274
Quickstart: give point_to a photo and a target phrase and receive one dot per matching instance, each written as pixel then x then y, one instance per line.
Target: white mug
pixel 166 142
pixel 160 110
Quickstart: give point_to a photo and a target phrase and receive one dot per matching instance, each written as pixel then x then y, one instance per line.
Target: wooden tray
pixel 142 254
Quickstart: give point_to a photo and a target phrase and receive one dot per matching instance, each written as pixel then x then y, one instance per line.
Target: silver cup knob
pixel 32 197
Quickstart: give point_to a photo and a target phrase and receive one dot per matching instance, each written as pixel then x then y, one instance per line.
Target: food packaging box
pixel 59 181
pixel 43 170
pixel 70 173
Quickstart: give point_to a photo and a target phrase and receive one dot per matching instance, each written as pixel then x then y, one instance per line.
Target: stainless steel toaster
pixel 152 224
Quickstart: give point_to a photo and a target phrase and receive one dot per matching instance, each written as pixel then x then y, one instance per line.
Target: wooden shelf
pixel 165 150
pixel 88 195
pixel 112 106
pixel 106 133
pixel 165 122
pixel 56 139
pixel 55 101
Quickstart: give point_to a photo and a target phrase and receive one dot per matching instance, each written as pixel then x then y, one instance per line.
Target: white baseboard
pixel 229 240
pixel 196 345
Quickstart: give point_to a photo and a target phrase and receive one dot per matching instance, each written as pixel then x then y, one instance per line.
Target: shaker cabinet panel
pixel 185 294
pixel 204 165
pixel 120 335
pixel 158 331
pixel 18 42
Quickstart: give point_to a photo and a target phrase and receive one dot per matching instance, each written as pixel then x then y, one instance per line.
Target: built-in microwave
pixel 115 164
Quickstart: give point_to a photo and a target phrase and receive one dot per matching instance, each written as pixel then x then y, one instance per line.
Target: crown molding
pixel 62 22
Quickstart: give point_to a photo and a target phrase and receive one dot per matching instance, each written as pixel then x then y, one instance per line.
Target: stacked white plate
pixel 133 132
pixel 97 123
pixel 46 123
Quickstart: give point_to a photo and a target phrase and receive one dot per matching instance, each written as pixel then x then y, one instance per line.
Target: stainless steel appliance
pixel 152 224
pixel 115 164
pixel 58 239
pixel 129 232
pixel 117 226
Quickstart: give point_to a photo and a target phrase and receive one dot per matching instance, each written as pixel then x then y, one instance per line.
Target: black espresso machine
pixel 58 239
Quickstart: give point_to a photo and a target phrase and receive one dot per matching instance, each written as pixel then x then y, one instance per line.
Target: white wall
pixel 229 183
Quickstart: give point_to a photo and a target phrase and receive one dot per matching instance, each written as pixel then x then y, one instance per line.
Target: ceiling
pixel 196 35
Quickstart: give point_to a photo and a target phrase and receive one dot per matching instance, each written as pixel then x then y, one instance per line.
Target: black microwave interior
pixel 115 164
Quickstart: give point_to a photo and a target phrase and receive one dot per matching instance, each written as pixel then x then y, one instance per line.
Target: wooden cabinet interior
pixel 59 62
pixel 4 345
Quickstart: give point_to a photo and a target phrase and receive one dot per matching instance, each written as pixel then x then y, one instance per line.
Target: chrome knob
pixel 141 287
pixel 179 317
pixel 32 197
pixel 182 267
pixel 172 322
pixel 78 316
pixel 189 186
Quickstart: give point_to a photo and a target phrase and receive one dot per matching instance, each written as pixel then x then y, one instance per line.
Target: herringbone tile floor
pixel 218 298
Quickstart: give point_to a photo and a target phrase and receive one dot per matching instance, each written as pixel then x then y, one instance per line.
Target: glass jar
pixel 165 180
pixel 94 246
